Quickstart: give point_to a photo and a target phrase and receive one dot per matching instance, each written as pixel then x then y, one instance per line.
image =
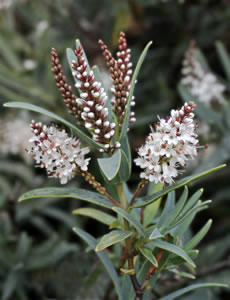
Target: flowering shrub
pixel 149 239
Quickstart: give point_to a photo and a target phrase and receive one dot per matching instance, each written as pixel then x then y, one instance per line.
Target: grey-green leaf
pixel 147 253
pixel 75 193
pixel 224 58
pixel 199 236
pixel 130 219
pixel 96 214
pixel 150 199
pixel 110 166
pixel 115 236
pixel 43 111
pixel 174 249
pixel 190 288
pixel 135 74
pixel 156 234
pixel 115 169
pixel 91 241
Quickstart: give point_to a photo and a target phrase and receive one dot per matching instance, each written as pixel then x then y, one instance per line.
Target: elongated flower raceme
pixel 169 146
pixel 52 148
pixel 93 102
pixel 121 73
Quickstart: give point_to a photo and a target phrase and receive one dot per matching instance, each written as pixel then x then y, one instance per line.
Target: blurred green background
pixel 40 257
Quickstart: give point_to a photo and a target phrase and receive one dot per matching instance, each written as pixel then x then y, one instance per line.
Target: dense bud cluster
pixel 92 100
pixel 121 74
pixel 203 84
pixel 169 146
pixel 55 150
pixel 64 88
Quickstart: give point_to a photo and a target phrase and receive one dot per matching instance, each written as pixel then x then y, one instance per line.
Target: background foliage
pixel 37 245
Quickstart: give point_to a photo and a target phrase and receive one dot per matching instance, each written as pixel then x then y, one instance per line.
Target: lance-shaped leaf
pixel 91 241
pixel 173 249
pixel 130 219
pixel 181 273
pixel 190 288
pixel 131 91
pixel 168 208
pixel 115 236
pixel 172 216
pixel 147 253
pixel 156 234
pixel 151 210
pixel 75 193
pixel 199 236
pixel 125 146
pixel 96 214
pixel 224 58
pixel 115 169
pixel 150 199
pixel 176 260
pixel 45 112
pixel 199 207
pixel 192 202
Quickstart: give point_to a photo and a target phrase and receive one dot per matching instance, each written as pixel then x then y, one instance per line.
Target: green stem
pixel 128 243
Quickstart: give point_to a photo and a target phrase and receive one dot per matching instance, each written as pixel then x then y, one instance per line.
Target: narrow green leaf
pixel 197 208
pixel 115 236
pixel 156 234
pixel 181 228
pixel 151 210
pixel 192 201
pixel 11 281
pixel 169 206
pixel 174 249
pixel 110 166
pixel 177 209
pixel 125 146
pixel 125 168
pixel 176 260
pixel 135 74
pixel 224 58
pixel 104 259
pixel 43 111
pixel 150 199
pixel 199 236
pixel 147 253
pixel 75 193
pixel 190 288
pixel 181 273
pixel 130 219
pixel 95 214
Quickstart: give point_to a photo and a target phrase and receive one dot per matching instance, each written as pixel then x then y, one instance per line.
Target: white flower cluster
pixel 59 153
pixel 169 146
pixel 202 84
pixel 14 141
